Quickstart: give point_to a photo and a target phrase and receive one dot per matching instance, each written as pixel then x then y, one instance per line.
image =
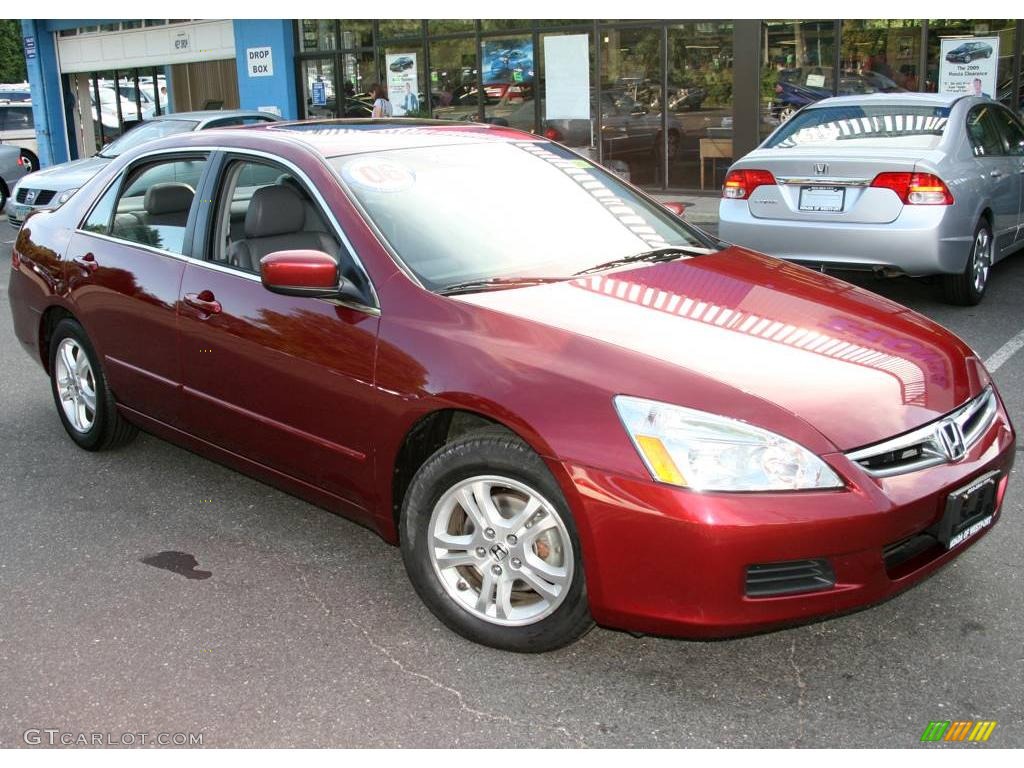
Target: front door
pixel 283 381
pixel 126 265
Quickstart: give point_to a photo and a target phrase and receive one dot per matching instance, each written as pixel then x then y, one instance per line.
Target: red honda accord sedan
pixel 602 415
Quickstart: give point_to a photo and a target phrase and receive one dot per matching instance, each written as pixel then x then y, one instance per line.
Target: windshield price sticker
pixel 378 175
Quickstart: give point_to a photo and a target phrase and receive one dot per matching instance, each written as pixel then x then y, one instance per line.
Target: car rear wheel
pixel 491 548
pixel 3 195
pixel 85 404
pixel 968 287
pixel 29 161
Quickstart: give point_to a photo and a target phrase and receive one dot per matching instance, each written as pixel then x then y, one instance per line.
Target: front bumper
pixel 664 560
pixel 923 240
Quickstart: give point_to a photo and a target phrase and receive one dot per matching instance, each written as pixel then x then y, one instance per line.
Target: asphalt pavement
pixel 306 631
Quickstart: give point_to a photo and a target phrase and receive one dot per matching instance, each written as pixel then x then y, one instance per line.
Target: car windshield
pixel 147 132
pixel 871 126
pixel 504 210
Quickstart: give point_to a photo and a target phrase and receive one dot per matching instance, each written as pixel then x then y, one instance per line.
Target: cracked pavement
pixel 308 633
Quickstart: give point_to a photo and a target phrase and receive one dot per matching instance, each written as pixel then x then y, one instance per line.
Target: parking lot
pixel 307 632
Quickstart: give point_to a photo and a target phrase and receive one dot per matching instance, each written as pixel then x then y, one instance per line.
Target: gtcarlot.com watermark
pixel 55 737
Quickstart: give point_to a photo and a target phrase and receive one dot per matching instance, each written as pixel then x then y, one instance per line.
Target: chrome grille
pixel 939 442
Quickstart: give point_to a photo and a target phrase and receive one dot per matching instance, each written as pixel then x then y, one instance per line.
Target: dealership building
pixel 671 103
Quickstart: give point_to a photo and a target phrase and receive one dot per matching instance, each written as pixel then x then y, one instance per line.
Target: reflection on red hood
pixel 857 367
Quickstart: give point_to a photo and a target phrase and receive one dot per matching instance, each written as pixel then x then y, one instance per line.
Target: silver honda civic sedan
pixel 901 184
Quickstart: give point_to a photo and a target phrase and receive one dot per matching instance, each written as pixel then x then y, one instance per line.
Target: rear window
pixel 895 126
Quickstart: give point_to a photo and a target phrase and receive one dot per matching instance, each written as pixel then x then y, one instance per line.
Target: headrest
pixel 168 197
pixel 274 210
pixel 287 180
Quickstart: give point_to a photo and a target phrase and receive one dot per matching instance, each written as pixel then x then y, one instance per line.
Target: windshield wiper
pixel 658 254
pixel 495 283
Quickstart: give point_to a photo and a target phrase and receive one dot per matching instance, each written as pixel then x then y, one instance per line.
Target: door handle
pixel 86 262
pixel 204 301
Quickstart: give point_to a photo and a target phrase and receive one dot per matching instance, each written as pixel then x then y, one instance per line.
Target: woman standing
pixel 381 105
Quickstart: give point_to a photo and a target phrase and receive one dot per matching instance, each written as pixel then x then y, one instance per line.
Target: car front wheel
pixel 85 404
pixel 491 547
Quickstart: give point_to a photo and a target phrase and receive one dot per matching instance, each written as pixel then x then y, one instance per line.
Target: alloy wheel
pixel 76 385
pixel 501 550
pixel 981 259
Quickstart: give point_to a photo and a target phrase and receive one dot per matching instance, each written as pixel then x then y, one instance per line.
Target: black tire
pixel 109 429
pixel 3 195
pixel 30 157
pixel 963 288
pixel 488 452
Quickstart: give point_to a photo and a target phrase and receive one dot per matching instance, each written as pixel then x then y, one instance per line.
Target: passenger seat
pixel 275 222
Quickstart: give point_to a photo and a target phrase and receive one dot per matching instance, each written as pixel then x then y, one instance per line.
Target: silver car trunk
pixel 830 186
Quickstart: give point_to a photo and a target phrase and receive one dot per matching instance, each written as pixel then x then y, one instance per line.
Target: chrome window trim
pixel 823 181
pixel 255 153
pixel 925 438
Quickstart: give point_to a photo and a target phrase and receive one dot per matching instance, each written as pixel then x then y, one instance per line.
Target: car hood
pixel 67 175
pixel 854 366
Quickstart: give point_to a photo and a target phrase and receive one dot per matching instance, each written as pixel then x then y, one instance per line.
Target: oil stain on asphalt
pixel 180 563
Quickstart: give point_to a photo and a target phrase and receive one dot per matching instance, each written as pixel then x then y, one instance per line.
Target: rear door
pixel 1000 171
pixel 1013 136
pixel 126 265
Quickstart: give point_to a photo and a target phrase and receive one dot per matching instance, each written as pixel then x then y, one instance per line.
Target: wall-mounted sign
pixel 30 47
pixel 567 84
pixel 968 65
pixel 260 61
pixel 403 83
pixel 318 93
pixel 182 42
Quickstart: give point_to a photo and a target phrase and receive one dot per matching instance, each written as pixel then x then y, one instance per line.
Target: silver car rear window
pixel 871 126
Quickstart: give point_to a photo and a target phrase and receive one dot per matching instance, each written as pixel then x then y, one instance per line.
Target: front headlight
pixel 705 452
pixel 64 196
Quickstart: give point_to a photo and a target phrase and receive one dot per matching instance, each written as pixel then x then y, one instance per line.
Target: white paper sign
pixel 567 82
pixel 260 61
pixel 969 65
pixel 403 83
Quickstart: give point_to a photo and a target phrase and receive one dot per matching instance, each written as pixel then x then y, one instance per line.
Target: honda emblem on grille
pixel 951 438
pixel 30 197
pixel 820 169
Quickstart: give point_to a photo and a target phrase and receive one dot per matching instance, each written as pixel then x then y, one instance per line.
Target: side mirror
pixel 677 208
pixel 306 273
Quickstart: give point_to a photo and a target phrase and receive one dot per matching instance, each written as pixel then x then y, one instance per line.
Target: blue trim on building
pixel 47 96
pixel 277 90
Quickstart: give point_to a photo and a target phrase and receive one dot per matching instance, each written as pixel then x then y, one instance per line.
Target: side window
pixel 18 119
pixel 98 220
pixel 155 202
pixel 263 208
pixel 226 122
pixel 1012 131
pixel 984 132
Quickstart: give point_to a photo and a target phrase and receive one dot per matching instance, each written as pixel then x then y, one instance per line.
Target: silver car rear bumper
pixel 923 240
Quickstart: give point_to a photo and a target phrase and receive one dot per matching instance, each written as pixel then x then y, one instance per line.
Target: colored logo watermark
pixel 958 730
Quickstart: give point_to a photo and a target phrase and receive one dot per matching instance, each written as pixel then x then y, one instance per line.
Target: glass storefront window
pixel 797 62
pixel 699 102
pixel 880 56
pixel 499 25
pixel 963 30
pixel 450 26
pixel 400 28
pixel 454 79
pixel 357 34
pixel 630 103
pixel 359 72
pixel 317 35
pixel 320 92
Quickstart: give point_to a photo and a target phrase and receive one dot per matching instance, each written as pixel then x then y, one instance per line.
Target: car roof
pixel 907 97
pixel 333 138
pixel 212 114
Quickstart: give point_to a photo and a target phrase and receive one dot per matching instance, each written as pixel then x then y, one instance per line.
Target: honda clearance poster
pixel 968 65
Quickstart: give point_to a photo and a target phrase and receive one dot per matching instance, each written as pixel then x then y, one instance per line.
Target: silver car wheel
pixel 982 259
pixel 76 385
pixel 501 550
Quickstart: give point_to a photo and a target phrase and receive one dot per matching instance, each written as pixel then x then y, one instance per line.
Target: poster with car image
pixel 968 66
pixel 403 83
pixel 507 61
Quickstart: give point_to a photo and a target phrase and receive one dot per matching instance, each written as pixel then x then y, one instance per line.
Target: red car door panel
pixel 281 380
